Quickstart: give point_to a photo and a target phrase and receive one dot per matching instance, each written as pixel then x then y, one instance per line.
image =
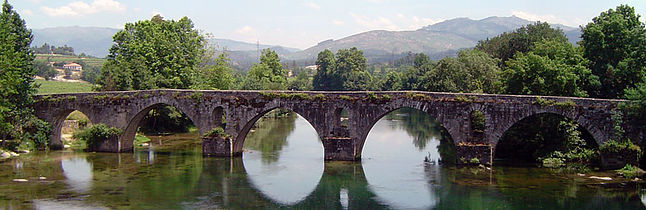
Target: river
pixel 282 167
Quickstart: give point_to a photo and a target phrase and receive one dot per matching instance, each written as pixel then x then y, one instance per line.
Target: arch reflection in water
pixel 283 157
pixel 394 155
pixel 78 173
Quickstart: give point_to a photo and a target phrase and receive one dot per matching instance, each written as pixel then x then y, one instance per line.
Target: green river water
pixel 283 167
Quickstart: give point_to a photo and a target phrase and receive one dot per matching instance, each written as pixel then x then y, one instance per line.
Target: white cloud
pixel 399 22
pixel 245 30
pixel 414 22
pixel 377 1
pixel 338 22
pixel 312 5
pixel 80 8
pixel 246 33
pixel 27 12
pixel 156 12
pixel 376 23
pixel 550 18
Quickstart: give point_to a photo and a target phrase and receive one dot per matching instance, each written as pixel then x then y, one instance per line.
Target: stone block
pixel 468 153
pixel 107 145
pixel 339 148
pixel 617 160
pixel 217 147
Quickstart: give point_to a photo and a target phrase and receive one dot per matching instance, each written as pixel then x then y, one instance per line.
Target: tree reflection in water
pixel 269 135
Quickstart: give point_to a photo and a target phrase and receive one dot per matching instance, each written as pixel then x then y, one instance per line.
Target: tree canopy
pixel 345 71
pixel 154 53
pixel 615 44
pixel 216 75
pixel 268 74
pixel 504 46
pixel 16 82
pixel 472 71
pixel 551 67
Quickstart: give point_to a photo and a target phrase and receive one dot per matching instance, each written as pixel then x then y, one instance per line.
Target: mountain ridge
pixel 436 40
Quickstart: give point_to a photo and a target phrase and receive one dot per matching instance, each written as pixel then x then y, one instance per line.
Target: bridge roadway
pixel 322 109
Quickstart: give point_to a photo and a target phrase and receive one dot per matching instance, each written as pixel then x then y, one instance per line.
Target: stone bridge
pixel 341 140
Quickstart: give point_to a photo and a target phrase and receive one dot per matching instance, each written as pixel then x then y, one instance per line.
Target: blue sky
pixel 302 24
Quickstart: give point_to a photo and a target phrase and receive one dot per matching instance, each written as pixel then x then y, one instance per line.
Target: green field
pixel 69 58
pixel 62 87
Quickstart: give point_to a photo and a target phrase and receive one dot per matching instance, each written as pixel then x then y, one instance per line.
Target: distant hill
pixel 491 27
pixel 95 41
pixel 380 44
pixel 233 45
pixel 437 40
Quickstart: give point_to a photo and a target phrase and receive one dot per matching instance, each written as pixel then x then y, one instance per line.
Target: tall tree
pixel 551 68
pixel 216 76
pixel 504 46
pixel 412 78
pixel 327 78
pixel 345 71
pixel 472 71
pixel 615 44
pixel 352 65
pixel 268 74
pixel 154 53
pixel 16 81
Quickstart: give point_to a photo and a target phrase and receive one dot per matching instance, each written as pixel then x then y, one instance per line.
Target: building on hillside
pixel 312 67
pixel 73 66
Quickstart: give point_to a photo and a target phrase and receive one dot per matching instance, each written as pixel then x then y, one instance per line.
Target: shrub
pixel 630 171
pixel 372 96
pixel 613 146
pixel 474 161
pixel 96 133
pixel 216 132
pixel 268 95
pixel 553 162
pixel 319 97
pixel 464 99
pixel 35 134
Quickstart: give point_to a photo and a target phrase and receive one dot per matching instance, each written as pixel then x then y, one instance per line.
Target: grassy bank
pixel 62 87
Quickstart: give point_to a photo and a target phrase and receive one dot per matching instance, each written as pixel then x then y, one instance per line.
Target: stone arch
pixel 127 137
pixel 596 133
pixel 242 134
pixel 57 125
pixel 453 132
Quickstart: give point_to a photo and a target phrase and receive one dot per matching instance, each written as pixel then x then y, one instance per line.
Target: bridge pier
pixel 218 147
pixel 474 154
pixel 339 149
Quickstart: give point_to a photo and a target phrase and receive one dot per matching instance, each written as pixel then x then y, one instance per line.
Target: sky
pixel 302 24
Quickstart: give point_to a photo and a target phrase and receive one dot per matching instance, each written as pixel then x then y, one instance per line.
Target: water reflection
pixel 269 134
pixel 391 175
pixel 283 158
pixel 78 173
pixel 394 167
